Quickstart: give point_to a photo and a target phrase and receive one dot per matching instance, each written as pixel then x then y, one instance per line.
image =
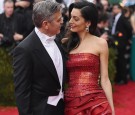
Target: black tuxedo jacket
pixel 123 26
pixel 35 76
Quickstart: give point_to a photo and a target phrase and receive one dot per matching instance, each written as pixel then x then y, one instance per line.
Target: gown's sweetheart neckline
pixel 84 54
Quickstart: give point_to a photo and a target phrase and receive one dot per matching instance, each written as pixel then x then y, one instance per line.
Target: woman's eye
pixel 76 19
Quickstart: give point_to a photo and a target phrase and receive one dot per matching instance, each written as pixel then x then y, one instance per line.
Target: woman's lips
pixel 71 27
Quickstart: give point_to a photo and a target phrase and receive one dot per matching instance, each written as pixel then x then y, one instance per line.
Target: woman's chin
pixel 72 30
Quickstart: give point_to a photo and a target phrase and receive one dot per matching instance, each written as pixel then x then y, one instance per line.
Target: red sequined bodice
pixel 83 71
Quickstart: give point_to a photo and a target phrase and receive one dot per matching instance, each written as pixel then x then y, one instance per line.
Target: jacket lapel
pixel 43 56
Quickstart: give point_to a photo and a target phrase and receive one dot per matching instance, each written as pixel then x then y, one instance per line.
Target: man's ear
pixel 45 25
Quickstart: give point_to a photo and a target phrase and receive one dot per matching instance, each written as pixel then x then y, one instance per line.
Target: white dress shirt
pixel 115 22
pixel 54 52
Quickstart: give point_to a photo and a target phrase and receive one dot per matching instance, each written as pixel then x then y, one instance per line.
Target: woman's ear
pixel 88 23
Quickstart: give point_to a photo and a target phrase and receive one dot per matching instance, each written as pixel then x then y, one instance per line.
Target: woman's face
pixel 77 22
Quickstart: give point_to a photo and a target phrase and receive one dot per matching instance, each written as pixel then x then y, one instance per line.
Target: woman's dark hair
pixel 89 13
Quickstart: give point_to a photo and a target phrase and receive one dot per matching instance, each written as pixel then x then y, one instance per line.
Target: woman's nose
pixel 70 21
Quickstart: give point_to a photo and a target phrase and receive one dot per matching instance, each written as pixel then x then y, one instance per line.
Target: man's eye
pixel 60 19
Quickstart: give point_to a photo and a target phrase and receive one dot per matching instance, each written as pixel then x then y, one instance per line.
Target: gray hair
pixel 44 10
pixel 11 1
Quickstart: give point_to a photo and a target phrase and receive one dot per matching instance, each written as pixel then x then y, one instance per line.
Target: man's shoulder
pixel 2 15
pixel 27 42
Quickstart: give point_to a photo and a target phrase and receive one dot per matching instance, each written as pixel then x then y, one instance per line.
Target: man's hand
pixel 1 36
pixel 64 40
pixel 23 4
pixel 18 37
pixel 104 36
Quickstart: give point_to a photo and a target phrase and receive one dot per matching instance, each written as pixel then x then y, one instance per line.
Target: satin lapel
pixel 44 57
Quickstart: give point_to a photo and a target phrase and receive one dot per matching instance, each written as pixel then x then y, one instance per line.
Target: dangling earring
pixel 87 28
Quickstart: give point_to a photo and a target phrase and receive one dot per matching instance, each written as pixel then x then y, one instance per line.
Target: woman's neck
pixel 83 35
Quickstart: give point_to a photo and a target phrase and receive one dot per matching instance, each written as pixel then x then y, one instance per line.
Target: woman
pixel 88 59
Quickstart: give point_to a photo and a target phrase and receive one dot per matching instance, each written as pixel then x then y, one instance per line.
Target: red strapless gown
pixel 83 95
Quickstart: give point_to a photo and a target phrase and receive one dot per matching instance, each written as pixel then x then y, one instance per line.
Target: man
pixel 24 8
pixel 39 70
pixel 10 25
pixel 122 32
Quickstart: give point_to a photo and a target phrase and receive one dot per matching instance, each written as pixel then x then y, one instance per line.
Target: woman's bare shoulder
pixel 101 41
pixel 101 44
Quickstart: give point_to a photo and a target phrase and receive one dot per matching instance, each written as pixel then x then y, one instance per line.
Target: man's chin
pixel 58 32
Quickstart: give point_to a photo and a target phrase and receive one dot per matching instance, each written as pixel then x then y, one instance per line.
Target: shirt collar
pixel 43 37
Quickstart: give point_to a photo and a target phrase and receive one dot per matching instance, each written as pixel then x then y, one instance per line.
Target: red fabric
pixel 83 71
pixel 84 96
pixel 93 104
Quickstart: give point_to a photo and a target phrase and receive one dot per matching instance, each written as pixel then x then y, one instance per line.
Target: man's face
pixel 55 25
pixel 105 4
pixel 9 8
pixel 116 10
